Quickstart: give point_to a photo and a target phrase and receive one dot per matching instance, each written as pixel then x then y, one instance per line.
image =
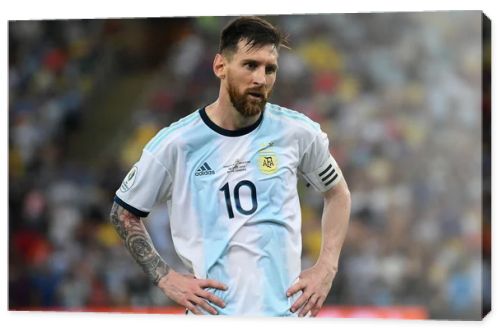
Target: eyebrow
pixel 250 60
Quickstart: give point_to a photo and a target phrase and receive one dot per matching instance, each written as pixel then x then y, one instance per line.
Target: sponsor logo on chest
pixel 204 169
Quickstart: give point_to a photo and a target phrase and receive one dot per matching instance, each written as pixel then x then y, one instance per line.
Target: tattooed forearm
pixel 139 244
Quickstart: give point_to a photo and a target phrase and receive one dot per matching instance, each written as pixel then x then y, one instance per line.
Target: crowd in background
pixel 398 94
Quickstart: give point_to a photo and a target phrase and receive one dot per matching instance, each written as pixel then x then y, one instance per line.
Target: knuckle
pixel 207 307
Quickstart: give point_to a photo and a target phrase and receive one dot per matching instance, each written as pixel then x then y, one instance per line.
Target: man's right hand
pixel 189 292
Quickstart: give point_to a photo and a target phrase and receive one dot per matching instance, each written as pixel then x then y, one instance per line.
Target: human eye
pixel 251 65
pixel 271 69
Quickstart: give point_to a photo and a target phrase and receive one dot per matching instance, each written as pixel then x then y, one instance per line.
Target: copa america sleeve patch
pixel 326 176
pixel 129 180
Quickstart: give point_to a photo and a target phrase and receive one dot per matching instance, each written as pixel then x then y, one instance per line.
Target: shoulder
pixel 171 134
pixel 292 119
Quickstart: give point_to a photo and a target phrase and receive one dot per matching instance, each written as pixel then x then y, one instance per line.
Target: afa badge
pixel 267 160
pixel 268 164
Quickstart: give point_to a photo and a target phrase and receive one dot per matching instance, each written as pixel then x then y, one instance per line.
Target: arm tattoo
pixel 139 244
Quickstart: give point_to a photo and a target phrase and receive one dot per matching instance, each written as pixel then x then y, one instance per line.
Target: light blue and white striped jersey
pixel 232 200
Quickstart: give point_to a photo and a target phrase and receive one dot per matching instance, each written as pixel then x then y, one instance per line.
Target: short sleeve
pixel 317 165
pixel 145 185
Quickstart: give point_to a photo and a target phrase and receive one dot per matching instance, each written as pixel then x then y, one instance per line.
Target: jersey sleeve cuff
pixel 130 208
pixel 325 177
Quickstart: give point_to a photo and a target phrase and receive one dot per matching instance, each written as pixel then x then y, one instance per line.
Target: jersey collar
pixel 229 133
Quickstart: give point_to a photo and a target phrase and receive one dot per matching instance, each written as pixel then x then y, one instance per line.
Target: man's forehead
pixel 246 48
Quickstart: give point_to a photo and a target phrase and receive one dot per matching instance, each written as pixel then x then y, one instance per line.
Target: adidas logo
pixel 204 170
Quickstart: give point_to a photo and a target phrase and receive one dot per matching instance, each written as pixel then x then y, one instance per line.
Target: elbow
pixel 344 190
pixel 340 194
pixel 346 195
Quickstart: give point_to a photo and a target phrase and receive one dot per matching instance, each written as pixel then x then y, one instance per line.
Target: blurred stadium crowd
pixel 399 95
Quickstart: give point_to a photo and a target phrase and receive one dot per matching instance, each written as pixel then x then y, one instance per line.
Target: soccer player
pixel 228 175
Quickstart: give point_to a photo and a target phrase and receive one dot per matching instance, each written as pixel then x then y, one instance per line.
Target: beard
pixel 244 103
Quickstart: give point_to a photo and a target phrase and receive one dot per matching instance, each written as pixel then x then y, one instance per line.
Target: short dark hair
pixel 256 31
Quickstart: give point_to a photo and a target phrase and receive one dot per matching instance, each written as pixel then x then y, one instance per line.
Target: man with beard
pixel 228 175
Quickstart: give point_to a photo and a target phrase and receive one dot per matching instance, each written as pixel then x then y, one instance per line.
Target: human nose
pixel 259 77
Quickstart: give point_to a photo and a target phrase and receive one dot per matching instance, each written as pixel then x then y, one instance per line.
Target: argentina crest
pixel 267 160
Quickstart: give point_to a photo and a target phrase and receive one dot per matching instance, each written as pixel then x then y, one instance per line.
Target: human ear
pixel 219 66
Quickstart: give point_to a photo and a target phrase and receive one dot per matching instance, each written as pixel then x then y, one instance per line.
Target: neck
pixel 223 113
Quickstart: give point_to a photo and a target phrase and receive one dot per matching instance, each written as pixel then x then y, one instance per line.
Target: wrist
pixel 164 277
pixel 328 266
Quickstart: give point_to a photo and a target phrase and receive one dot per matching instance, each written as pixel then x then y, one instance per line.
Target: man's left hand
pixel 315 283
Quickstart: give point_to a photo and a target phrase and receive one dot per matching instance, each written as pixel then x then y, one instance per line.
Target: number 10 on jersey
pixel 236 198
